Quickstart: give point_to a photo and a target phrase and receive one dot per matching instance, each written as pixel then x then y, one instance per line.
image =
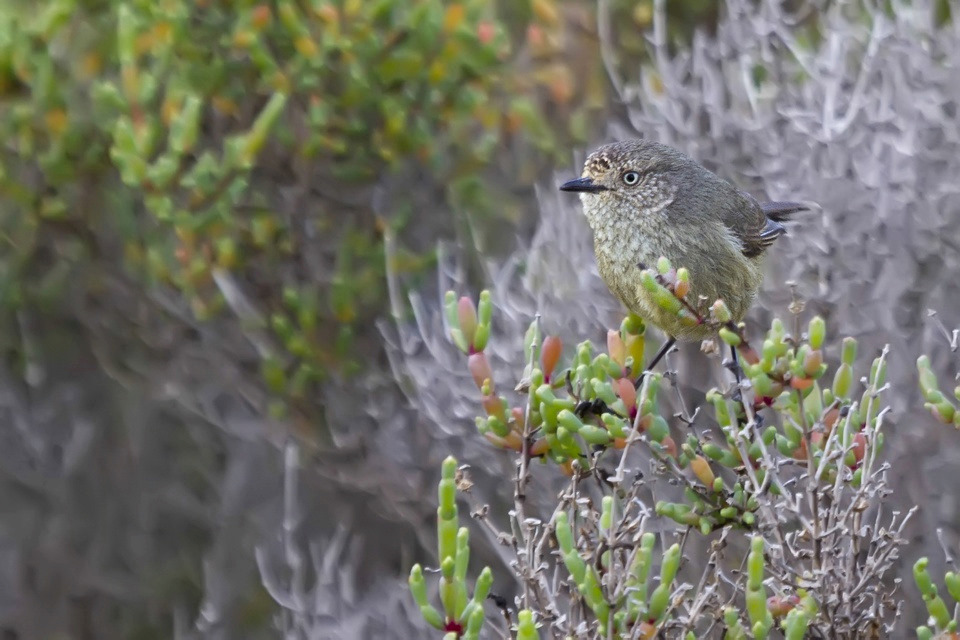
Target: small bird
pixel 644 200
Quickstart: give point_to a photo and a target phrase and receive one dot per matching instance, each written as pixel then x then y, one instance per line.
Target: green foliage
pixel 526 629
pixel 576 410
pixel 943 408
pixel 160 137
pixel 940 622
pixel 594 402
pixel 760 618
pixel 462 616
pixel 943 623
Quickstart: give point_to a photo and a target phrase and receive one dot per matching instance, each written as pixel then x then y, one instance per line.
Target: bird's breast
pixel 717 269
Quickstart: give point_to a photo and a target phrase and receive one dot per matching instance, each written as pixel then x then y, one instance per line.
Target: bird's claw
pixel 596 407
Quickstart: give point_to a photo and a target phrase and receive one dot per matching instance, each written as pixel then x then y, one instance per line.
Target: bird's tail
pixel 781 211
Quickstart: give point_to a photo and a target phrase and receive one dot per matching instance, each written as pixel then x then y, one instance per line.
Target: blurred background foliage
pixel 176 141
pixel 185 177
pixel 199 200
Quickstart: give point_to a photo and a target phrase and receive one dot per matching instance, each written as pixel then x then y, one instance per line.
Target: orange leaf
pixel 453 17
pixel 56 121
pixel 261 16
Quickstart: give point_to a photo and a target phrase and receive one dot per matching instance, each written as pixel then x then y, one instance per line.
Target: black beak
pixel 584 185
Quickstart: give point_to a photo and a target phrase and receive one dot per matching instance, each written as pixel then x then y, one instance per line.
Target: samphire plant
pixel 941 622
pixel 223 155
pixel 783 476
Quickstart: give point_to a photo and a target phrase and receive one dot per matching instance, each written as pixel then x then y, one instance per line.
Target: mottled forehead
pixel 619 156
pixel 599 162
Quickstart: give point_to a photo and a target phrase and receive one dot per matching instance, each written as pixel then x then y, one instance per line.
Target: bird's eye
pixel 631 178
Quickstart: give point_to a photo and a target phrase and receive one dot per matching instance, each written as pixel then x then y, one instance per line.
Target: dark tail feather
pixel 781 211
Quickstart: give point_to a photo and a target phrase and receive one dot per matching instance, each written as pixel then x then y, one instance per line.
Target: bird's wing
pixel 748 224
pixel 757 232
pixel 781 211
pixel 756 240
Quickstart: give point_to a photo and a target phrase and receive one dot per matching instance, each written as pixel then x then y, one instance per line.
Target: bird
pixel 643 200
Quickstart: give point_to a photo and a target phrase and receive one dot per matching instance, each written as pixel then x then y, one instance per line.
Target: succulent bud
pixel 495 406
pixel 731 338
pixel 669 446
pixel 635 348
pixel 487 388
pixel 755 563
pixel 665 299
pixel 539 447
pixel 859 446
pixel 663 265
pixel 777 329
pixel 633 325
pixel 616 425
pixel 660 598
pixel 701 469
pixel 658 429
pixel 603 390
pixel 517 419
pixel 498 426
pixel 942 411
pixel 763 385
pixel 713 451
pixel 526 629
pixel 569 420
pixel 480 337
pixel 780 606
pixel 467 316
pixel 842 381
pixel 817 332
pixel 648 281
pixel 550 355
pixel 952 582
pixel 935 604
pixel 616 348
pixel 682 287
pixel 485 307
pixel 627 393
pixel 769 356
pixel 849 351
pixel 811 363
pixel 720 311
pixel 594 435
pixel 479 368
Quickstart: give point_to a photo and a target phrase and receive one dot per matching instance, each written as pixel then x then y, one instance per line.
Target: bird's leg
pixel 734 365
pixel 662 352
pixel 657 358
pixel 737 371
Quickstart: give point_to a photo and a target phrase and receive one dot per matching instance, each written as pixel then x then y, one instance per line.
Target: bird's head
pixel 633 175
